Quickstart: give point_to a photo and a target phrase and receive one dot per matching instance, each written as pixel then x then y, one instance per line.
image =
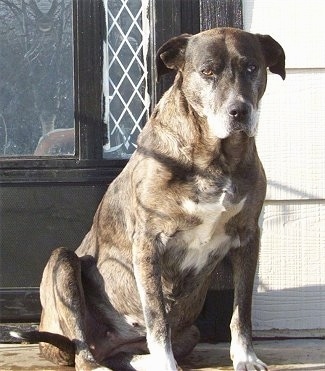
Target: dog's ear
pixel 273 54
pixel 170 56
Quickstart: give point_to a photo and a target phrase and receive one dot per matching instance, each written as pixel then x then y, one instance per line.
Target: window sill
pixel 59 171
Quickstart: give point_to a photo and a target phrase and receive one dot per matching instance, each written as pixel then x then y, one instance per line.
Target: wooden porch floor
pixel 298 354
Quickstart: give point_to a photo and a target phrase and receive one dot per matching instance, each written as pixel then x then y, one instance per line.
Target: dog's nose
pixel 239 110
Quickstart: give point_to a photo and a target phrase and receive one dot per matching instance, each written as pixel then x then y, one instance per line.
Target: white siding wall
pixel 290 282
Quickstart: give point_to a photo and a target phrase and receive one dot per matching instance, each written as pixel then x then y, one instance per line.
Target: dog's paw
pixel 252 363
pixel 244 357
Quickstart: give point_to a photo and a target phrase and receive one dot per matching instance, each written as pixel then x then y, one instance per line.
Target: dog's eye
pixel 207 72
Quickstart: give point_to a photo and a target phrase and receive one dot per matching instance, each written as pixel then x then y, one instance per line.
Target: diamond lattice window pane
pixel 125 83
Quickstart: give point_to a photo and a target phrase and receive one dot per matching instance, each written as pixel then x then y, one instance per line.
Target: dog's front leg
pixel 147 272
pixel 244 261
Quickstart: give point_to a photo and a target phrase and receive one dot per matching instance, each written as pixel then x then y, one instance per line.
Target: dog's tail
pixel 59 349
pixel 34 337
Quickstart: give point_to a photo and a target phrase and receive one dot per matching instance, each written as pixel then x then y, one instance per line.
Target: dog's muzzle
pixel 241 117
pixel 238 115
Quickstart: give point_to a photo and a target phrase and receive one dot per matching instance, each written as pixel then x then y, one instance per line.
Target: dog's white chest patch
pixel 209 236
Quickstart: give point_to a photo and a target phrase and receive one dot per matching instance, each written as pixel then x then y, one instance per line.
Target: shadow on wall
pixel 300 308
pixel 301 195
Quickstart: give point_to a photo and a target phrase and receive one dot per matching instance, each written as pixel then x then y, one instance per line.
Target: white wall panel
pixel 290 281
pixel 291 136
pixel 295 24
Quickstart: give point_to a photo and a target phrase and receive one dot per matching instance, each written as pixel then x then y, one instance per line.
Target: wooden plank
pixel 291 135
pixel 298 354
pixel 220 13
pixel 290 282
pixel 295 24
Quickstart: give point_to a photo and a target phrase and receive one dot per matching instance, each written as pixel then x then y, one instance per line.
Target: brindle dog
pixel 191 193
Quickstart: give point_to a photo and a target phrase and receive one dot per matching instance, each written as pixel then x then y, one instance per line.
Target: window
pixel 36 84
pixel 125 75
pixel 36 88
pixel 75 85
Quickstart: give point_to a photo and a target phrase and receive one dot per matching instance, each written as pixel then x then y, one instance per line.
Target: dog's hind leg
pixel 64 310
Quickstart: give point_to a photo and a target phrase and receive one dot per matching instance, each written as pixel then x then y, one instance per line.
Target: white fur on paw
pixel 244 358
pixel 252 363
pixel 149 362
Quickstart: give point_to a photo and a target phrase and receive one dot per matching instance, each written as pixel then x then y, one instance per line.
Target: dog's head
pixel 224 74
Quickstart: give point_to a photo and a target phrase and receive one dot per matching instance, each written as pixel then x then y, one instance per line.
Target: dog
pixel 191 194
